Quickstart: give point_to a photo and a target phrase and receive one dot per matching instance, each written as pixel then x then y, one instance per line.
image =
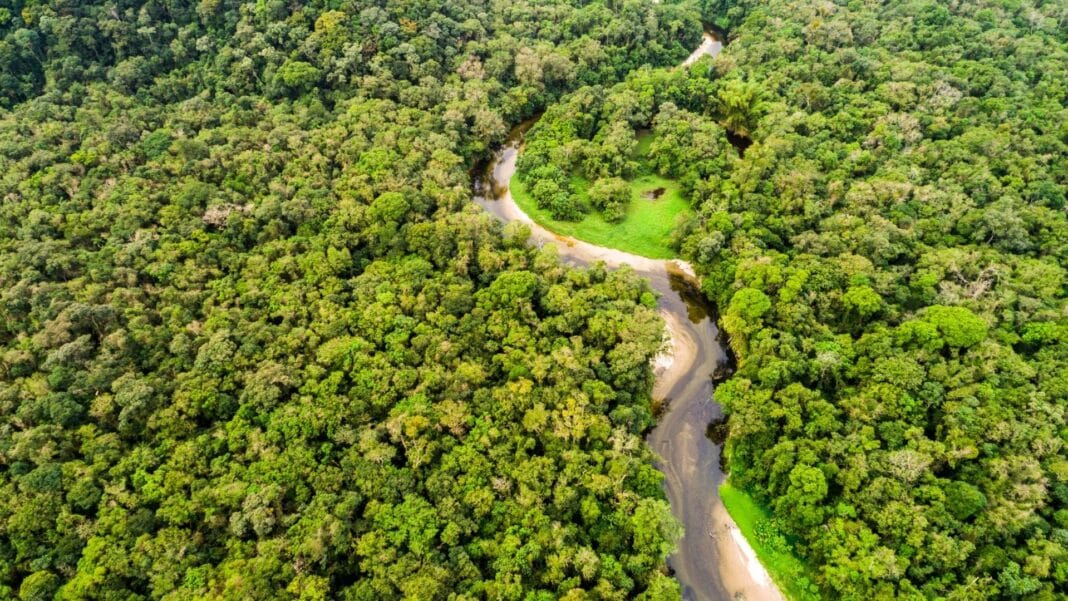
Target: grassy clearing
pixel 645 231
pixel 787 570
pixel 645 140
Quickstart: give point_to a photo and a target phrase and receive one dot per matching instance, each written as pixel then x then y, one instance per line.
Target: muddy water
pixel 713 561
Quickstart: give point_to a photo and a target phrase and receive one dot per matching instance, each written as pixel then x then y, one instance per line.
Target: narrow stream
pixel 713 561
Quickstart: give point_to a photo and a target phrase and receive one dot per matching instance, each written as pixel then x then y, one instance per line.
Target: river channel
pixel 713 561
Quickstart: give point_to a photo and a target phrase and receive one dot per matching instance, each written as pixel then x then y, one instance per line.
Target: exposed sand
pixel 749 579
pixel 666 357
pixel 710 46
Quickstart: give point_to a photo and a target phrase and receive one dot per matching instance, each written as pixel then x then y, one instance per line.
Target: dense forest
pixel 881 219
pixel 890 256
pixel 256 342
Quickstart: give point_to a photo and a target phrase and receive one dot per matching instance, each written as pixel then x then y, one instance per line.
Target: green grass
pixel 645 140
pixel 645 231
pixel 787 570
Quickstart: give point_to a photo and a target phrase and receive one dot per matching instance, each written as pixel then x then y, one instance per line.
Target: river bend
pixel 713 561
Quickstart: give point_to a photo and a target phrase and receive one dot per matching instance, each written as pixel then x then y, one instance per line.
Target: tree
pixel 807 488
pixel 964 500
pixel 958 326
pixel 611 196
pixel 739 105
pixel 863 300
pixel 298 76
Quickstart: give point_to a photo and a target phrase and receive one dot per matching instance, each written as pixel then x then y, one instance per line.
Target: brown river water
pixel 713 561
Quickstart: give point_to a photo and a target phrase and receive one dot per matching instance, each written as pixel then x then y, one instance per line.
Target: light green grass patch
pixel 791 574
pixel 645 231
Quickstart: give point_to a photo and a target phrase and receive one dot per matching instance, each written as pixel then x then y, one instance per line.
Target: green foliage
pixel 749 304
pixel 740 106
pixel 958 326
pixel 39 586
pixel 642 147
pixel 767 537
pixel 863 300
pixel 254 344
pixel 964 500
pixel 645 230
pixel 890 253
pixel 611 196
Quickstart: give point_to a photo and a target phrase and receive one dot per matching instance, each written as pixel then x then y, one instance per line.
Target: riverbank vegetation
pixel 890 257
pixel 256 343
pixel 774 550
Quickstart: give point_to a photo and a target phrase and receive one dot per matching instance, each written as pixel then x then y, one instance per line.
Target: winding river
pixel 713 561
